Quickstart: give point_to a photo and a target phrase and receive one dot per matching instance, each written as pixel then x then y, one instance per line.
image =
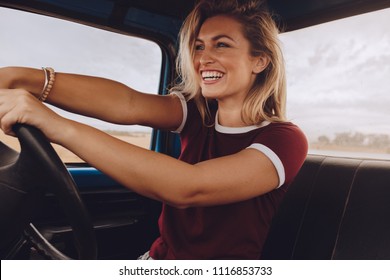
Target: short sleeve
pixel 185 111
pixel 274 159
pixel 286 146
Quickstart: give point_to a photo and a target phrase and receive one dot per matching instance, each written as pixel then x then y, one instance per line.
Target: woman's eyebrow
pixel 217 37
pixel 222 36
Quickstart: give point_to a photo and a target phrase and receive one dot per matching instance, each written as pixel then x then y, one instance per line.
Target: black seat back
pixel 365 229
pixel 337 208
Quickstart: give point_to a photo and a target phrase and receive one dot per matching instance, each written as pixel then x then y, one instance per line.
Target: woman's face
pixel 222 61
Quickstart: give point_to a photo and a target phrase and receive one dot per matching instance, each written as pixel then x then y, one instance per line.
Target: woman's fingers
pixel 12 104
pixel 19 106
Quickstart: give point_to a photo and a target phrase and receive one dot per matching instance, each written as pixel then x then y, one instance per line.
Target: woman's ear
pixel 261 62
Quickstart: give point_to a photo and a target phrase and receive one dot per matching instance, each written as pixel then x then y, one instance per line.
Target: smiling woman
pixel 85 50
pixel 241 187
pixel 238 160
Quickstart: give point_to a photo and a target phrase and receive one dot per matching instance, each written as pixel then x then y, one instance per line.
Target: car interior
pixel 338 207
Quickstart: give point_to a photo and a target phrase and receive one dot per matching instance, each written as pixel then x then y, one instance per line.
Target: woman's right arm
pixel 100 98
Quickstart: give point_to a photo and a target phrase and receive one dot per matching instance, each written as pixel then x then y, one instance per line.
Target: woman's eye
pixel 199 47
pixel 222 45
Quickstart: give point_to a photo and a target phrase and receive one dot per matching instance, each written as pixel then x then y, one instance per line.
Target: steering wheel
pixel 24 177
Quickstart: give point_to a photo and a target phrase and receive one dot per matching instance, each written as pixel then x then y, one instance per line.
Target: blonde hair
pixel 267 97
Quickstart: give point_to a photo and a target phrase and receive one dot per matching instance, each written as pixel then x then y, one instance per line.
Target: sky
pixel 36 41
pixel 345 65
pixel 337 73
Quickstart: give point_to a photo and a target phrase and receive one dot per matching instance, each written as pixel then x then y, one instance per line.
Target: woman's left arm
pixel 228 179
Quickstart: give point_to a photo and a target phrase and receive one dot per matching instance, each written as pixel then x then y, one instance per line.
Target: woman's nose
pixel 206 58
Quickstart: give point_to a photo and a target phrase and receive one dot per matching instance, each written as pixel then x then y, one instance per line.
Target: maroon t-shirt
pixel 236 230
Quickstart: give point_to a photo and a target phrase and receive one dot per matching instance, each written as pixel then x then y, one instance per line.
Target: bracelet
pixel 49 81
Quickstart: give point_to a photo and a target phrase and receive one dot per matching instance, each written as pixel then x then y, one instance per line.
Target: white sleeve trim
pixel 184 107
pixel 275 160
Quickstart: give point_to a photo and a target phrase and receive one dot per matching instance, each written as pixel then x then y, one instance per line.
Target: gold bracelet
pixel 49 81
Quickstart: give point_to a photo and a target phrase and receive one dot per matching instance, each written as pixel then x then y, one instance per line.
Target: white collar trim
pixel 237 130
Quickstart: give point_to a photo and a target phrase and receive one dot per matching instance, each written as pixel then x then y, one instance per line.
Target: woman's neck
pixel 230 116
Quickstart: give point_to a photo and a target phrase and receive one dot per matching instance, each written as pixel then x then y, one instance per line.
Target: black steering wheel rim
pixel 37 155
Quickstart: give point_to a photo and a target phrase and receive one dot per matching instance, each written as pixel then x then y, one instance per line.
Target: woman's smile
pixel 211 75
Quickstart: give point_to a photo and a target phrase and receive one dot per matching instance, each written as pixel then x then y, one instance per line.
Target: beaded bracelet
pixel 49 81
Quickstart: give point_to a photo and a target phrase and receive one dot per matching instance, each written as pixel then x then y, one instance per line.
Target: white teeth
pixel 211 75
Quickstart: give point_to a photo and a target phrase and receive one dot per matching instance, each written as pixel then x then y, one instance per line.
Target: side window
pixel 34 41
pixel 338 85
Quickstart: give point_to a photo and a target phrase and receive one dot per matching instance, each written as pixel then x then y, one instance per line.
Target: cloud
pixel 34 41
pixel 337 75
